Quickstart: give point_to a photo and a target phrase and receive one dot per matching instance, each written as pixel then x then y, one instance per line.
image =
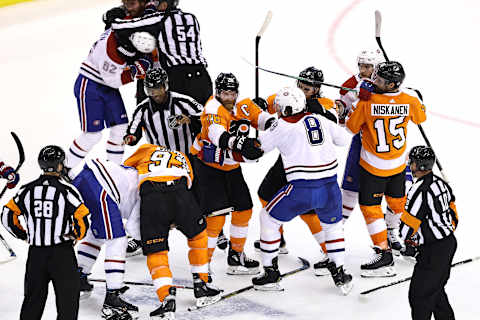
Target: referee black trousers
pixel 427 294
pixel 59 265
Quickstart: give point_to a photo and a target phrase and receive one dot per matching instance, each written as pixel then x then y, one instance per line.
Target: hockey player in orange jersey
pixel 165 178
pixel 382 115
pixel 276 179
pixel 222 143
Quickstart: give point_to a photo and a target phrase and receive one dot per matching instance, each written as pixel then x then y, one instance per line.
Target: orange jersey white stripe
pixel 216 120
pixel 157 163
pixel 325 102
pixel 382 121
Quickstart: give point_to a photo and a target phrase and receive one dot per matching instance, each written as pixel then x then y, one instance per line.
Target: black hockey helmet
pixel 391 71
pixel 226 81
pixel 50 157
pixel 423 156
pixel 312 74
pixel 172 4
pixel 156 78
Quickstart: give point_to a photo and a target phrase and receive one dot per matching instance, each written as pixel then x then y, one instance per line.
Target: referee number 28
pixel 389 127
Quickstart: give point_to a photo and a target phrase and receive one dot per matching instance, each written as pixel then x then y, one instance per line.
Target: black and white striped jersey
pixel 178 35
pixel 430 213
pixel 159 122
pixel 52 209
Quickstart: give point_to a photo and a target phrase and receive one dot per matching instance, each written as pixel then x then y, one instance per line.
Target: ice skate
pixel 240 264
pixel 166 311
pixel 86 288
pixel 381 264
pixel 222 241
pixel 205 293
pixel 320 268
pixel 394 241
pixel 342 280
pixel 113 301
pixel 269 279
pixel 134 247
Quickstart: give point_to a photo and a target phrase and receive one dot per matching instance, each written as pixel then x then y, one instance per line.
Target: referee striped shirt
pixel 430 213
pixel 178 35
pixel 53 211
pixel 159 125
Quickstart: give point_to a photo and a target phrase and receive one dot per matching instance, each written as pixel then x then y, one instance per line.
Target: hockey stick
pixel 149 284
pixel 298 78
pixel 305 266
pixel 21 157
pixel 408 278
pixel 12 253
pixel 378 26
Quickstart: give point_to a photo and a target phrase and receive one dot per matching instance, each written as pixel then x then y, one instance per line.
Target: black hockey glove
pixel 261 103
pixel 112 14
pixel 248 147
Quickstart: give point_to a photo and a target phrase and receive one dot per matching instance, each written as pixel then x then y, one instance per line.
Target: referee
pixel 180 46
pixel 428 223
pixel 54 215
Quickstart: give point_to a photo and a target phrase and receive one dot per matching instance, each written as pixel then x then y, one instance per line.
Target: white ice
pixel 44 42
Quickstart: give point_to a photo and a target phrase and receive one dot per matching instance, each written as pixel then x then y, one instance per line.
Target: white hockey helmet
pixel 372 57
pixel 290 101
pixel 143 41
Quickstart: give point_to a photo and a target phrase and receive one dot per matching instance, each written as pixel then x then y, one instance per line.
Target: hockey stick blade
pixel 305 266
pixel 138 283
pixel 297 78
pixel 21 157
pixel 408 278
pixel 378 26
pixel 10 258
pixel 268 18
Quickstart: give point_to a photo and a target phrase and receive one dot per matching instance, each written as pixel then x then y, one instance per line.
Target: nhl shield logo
pixel 173 121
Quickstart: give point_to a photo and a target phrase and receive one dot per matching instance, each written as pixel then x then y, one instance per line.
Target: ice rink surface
pixel 44 42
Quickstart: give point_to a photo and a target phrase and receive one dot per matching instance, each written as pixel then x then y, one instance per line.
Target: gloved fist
pixel 112 14
pixel 409 251
pixel 248 147
pixel 139 68
pixel 342 110
pixel 11 176
pixel 366 89
pixel 130 140
pixel 261 103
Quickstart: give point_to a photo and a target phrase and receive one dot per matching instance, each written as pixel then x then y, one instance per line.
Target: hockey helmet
pixel 372 57
pixel 313 74
pixel 155 78
pixel 143 41
pixel 226 81
pixel 290 101
pixel 392 71
pixel 50 157
pixel 423 157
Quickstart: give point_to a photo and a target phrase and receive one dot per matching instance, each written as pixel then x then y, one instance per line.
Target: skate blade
pixel 239 270
pixel 269 287
pixel 282 250
pixel 384 272
pixel 321 272
pixel 346 288
pixel 133 254
pixel 205 301
pixel 165 316
pixel 85 295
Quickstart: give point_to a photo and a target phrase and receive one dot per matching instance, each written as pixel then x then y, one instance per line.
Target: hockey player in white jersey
pixel 110 192
pixel 111 63
pixel 306 144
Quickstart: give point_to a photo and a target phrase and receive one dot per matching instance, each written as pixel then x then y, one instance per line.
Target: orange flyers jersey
pixel 325 102
pixel 160 164
pixel 216 120
pixel 382 121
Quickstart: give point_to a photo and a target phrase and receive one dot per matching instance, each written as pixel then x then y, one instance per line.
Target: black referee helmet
pixel 50 157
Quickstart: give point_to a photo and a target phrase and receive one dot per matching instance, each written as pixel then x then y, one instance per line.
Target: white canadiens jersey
pixel 120 182
pixel 103 64
pixel 306 144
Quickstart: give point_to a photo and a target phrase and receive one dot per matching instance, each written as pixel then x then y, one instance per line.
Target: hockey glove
pixel 409 250
pixel 211 154
pixel 261 103
pixel 130 140
pixel 139 68
pixel 342 110
pixel 248 147
pixel 366 89
pixel 111 15
pixel 11 176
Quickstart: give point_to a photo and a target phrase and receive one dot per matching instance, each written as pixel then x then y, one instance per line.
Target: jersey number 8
pixel 314 130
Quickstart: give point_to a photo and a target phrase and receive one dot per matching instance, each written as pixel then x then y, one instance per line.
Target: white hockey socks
pixel 115 252
pixel 88 251
pixel 80 147
pixel 269 237
pixel 349 201
pixel 115 146
pixel 335 242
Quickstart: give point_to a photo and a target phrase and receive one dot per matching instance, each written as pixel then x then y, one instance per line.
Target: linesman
pixel 55 215
pixel 428 223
